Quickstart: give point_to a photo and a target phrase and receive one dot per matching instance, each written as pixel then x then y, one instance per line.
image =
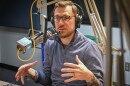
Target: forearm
pixel 38 76
pixel 93 81
pixel 33 74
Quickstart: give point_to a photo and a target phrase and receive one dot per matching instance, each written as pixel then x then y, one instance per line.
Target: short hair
pixel 66 3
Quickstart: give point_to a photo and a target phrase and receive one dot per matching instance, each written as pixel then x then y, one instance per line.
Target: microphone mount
pixel 27 42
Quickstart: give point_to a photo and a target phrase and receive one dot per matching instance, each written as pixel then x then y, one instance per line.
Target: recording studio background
pixel 15 23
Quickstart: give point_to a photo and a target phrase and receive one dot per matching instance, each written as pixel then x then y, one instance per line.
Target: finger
pixel 16 75
pixel 67 74
pixel 69 70
pixel 22 80
pixel 27 66
pixel 22 68
pixel 78 60
pixel 17 78
pixel 71 65
pixel 70 79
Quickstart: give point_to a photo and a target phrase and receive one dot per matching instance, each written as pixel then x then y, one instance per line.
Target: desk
pixel 3 83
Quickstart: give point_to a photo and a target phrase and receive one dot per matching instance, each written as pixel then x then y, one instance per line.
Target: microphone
pixel 27 42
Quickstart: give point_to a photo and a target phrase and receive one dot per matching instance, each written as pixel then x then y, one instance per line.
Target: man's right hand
pixel 25 70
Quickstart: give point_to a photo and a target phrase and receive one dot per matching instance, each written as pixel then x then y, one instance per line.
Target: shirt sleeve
pixel 44 75
pixel 93 59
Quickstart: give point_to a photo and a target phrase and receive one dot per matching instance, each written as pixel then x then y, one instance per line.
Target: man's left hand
pixel 77 71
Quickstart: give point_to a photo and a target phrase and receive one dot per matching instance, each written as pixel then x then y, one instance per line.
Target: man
pixel 71 60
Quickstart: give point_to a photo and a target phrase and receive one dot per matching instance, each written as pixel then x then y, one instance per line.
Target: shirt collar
pixel 72 41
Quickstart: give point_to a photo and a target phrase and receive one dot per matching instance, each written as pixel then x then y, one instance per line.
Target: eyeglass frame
pixel 64 18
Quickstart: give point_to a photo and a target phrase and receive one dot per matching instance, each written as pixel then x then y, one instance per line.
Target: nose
pixel 61 21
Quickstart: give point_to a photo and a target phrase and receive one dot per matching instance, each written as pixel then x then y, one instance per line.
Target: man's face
pixel 64 20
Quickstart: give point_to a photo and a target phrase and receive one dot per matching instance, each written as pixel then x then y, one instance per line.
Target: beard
pixel 65 34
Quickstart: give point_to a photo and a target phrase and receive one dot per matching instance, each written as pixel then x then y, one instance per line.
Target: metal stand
pixel 108 59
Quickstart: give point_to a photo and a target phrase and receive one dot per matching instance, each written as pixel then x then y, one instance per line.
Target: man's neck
pixel 67 40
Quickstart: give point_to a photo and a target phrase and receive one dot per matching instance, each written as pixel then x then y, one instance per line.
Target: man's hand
pixel 25 70
pixel 78 72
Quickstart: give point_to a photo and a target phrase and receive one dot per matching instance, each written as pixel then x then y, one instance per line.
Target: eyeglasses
pixel 64 18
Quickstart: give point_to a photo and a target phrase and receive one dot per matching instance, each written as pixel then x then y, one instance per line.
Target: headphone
pixel 78 17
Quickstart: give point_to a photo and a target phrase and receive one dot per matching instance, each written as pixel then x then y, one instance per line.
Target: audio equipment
pixel 27 42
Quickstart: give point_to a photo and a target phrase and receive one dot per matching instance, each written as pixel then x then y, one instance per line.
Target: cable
pixel 34 48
